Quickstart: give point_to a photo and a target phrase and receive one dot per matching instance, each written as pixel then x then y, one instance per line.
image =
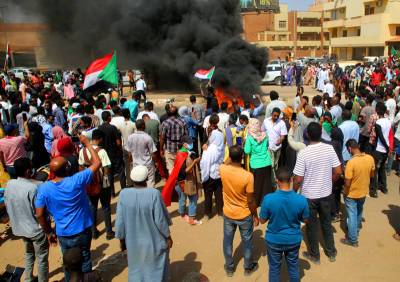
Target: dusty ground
pixel 197 251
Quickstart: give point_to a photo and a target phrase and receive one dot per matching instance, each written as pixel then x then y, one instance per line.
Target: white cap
pixel 139 173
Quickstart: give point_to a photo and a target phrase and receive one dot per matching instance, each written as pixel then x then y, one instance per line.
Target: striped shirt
pixel 315 164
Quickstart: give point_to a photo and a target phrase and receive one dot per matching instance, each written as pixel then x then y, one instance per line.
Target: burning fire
pixel 228 97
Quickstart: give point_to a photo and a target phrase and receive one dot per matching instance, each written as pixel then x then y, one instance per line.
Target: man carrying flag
pixel 103 69
pixel 8 58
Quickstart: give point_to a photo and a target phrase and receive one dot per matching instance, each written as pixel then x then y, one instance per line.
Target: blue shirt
pixel 350 130
pixel 68 203
pixel 48 135
pixel 132 106
pixel 284 211
pixel 192 126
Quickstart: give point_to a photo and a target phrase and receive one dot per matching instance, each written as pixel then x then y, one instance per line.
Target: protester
pixel 359 170
pixel 213 157
pixel 284 210
pixel 112 143
pixel 102 181
pixel 149 110
pixel 65 199
pixel 256 147
pixel 350 130
pixel 20 197
pixel 140 207
pixel 240 210
pixel 316 167
pixel 143 151
pixel 58 134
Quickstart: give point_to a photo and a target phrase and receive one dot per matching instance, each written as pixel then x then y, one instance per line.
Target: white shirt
pixel 105 160
pixel 274 104
pixel 315 163
pixel 125 127
pixel 386 125
pixel 391 107
pixel 140 85
pixel 223 121
pixel 336 112
pixel 274 131
pixel 329 88
pixel 151 114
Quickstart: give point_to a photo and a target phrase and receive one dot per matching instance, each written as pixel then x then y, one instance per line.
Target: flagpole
pixel 6 60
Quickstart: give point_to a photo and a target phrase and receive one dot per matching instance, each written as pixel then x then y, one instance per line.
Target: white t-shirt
pixel 330 89
pixel 315 163
pixel 385 125
pixel 275 104
pixel 140 85
pixel 391 107
pixel 152 115
pixel 274 131
pixel 223 121
pixel 105 160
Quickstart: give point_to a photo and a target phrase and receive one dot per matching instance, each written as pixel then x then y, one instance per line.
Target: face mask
pixel 189 147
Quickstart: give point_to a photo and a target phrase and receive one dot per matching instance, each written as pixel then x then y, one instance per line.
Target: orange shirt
pixel 236 184
pixel 359 170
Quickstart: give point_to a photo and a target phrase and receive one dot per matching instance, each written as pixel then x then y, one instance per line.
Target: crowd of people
pixel 287 165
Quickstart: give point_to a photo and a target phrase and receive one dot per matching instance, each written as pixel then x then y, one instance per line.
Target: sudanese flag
pixel 103 69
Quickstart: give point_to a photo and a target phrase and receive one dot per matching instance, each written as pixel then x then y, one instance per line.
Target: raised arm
pixel 96 162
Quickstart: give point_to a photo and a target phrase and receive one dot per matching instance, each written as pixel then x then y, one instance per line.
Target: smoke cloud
pixel 167 39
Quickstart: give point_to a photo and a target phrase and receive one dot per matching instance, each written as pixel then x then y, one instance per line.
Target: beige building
pixel 289 34
pixel 360 28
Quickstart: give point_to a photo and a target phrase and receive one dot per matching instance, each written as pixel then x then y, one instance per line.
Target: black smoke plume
pixel 168 39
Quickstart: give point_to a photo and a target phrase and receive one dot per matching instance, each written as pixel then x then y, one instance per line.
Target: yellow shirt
pixel 236 184
pixel 359 170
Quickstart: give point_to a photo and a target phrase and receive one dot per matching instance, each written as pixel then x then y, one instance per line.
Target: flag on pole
pixel 8 57
pixel 205 74
pixel 103 69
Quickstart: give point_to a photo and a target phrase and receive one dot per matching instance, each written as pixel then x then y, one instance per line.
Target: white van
pixel 273 74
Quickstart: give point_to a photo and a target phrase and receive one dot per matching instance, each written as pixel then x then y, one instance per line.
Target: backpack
pixel 94 188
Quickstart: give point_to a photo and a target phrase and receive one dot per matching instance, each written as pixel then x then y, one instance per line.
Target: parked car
pixel 19 72
pixel 273 74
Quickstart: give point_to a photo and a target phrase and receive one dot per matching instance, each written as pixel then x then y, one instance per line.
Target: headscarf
pixel 254 130
pixel 65 147
pixel 217 139
pixel 183 111
pixel 58 134
pixel 213 157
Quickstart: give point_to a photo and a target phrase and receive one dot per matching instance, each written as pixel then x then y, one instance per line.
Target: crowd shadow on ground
pixel 393 215
pixel 187 270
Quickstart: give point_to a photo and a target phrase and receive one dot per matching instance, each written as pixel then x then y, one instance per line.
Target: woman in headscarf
pixel 213 157
pixel 35 146
pixel 256 147
pixel 67 149
pixel 192 125
pixel 58 134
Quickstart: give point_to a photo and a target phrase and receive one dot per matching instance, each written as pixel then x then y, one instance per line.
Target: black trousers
pixel 379 181
pixel 210 187
pixel 364 143
pixel 336 196
pixel 320 208
pixel 117 167
pixel 141 93
pixel 262 183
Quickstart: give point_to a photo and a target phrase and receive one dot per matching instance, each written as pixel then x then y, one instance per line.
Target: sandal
pixel 194 222
pixel 396 236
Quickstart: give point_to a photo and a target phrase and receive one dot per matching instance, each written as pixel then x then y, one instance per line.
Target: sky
pixel 301 5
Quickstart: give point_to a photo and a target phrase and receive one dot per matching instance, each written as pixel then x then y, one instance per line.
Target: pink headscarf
pixel 58 134
pixel 254 129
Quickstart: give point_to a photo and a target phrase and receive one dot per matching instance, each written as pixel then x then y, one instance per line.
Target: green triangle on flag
pixel 394 52
pixel 110 73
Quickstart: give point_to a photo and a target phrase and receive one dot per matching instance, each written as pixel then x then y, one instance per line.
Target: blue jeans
pixel 82 241
pixel 291 253
pixel 105 200
pixel 182 202
pixel 246 232
pixel 354 208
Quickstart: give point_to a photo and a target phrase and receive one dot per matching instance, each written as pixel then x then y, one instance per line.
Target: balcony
pixel 310 15
pixel 308 29
pixel 334 5
pixel 311 43
pixel 275 44
pixel 356 41
pixel 334 23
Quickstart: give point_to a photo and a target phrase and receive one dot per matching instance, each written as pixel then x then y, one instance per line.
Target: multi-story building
pixel 287 34
pixel 360 28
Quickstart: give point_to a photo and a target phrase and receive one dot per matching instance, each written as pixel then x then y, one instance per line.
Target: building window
pixel 344 33
pixel 369 10
pixel 282 24
pixel 397 30
pixel 358 31
pixel 282 37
